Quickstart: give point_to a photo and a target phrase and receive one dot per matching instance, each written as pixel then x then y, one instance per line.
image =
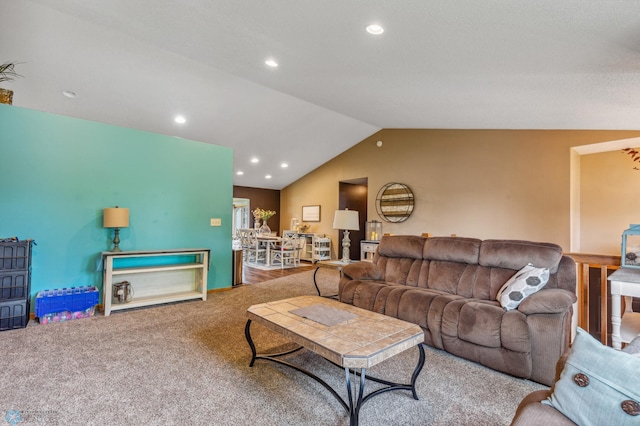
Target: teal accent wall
pixel 57 174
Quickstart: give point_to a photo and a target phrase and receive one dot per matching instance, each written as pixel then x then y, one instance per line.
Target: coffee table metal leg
pixel 416 371
pixel 355 402
pixel 391 386
pixel 273 357
pixel 356 397
pixel 314 280
pixel 247 335
pixel 254 355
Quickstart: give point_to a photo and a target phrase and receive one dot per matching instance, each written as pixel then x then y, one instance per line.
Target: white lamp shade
pixel 346 219
pixel 116 217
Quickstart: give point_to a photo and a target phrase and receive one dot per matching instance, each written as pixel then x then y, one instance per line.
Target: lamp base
pixel 116 240
pixel 346 243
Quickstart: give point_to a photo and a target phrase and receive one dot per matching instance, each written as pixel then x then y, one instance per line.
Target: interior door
pixel 353 196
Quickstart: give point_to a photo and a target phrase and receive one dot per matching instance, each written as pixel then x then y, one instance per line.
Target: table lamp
pixel 347 220
pixel 116 217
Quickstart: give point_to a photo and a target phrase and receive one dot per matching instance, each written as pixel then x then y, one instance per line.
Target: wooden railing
pixel 584 262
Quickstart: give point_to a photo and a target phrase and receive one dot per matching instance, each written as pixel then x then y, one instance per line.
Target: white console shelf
pixel 316 247
pixel 156 276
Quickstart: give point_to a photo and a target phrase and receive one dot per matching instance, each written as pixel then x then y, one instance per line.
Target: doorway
pixel 352 195
pixel 241 215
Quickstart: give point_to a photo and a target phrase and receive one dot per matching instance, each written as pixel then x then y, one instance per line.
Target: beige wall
pixel 477 183
pixel 609 200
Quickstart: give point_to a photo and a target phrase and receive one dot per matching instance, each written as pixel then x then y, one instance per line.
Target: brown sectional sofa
pixel 448 286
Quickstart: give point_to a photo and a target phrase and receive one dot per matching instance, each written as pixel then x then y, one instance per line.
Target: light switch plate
pixel 216 222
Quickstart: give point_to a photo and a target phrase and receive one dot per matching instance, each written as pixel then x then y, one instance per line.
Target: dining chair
pixel 253 249
pixel 244 242
pixel 287 251
pixel 288 233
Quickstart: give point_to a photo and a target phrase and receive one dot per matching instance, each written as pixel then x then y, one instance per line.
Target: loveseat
pixel 448 286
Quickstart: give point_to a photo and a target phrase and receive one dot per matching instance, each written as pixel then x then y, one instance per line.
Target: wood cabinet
pixel 156 276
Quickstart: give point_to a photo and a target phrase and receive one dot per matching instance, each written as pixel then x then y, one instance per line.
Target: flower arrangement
pixel 262 214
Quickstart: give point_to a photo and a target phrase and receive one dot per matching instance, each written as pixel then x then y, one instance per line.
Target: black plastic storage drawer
pixel 15 256
pixel 14 285
pixel 14 314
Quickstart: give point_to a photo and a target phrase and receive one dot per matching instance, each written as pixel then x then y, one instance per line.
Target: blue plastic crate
pixel 75 299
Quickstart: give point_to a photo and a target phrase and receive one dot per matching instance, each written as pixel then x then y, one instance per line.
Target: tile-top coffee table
pixel 350 337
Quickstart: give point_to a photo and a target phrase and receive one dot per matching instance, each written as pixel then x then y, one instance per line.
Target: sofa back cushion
pixel 409 246
pixel 452 249
pixel 509 256
pixel 468 267
pixel 399 258
pixel 516 254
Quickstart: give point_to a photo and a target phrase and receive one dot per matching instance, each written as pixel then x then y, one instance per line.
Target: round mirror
pixel 394 202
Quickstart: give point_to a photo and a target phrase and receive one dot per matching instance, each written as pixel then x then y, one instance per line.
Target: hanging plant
pixel 635 155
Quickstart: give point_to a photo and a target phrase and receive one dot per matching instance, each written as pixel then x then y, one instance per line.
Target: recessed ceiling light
pixel 239 172
pixel 69 94
pixel 272 63
pixel 374 29
pixel 180 119
pixel 267 177
pixel 255 160
pixel 284 165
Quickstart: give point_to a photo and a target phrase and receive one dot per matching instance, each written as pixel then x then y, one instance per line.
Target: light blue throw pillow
pixel 598 386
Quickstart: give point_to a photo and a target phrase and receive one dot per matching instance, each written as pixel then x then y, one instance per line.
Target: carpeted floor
pixel 187 364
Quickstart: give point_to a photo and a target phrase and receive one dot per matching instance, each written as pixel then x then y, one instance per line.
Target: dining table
pixel 268 242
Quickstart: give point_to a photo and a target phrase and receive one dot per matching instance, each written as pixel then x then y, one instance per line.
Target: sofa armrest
pixel 549 301
pixel 531 412
pixel 362 271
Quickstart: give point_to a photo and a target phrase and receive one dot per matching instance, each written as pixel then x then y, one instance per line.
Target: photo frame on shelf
pixel 311 213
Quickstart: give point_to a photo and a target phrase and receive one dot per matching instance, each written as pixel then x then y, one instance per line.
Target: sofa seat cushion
pixel 417 305
pixel 363 294
pixel 410 304
pixel 486 324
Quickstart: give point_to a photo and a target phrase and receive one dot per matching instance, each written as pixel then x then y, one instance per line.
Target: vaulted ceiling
pixel 502 64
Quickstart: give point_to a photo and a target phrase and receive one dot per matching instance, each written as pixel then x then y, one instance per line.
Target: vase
pixel 264 229
pixel 6 96
pixel 256 225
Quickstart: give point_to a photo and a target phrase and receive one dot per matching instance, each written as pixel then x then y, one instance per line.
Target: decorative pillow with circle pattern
pixel 598 385
pixel 525 282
